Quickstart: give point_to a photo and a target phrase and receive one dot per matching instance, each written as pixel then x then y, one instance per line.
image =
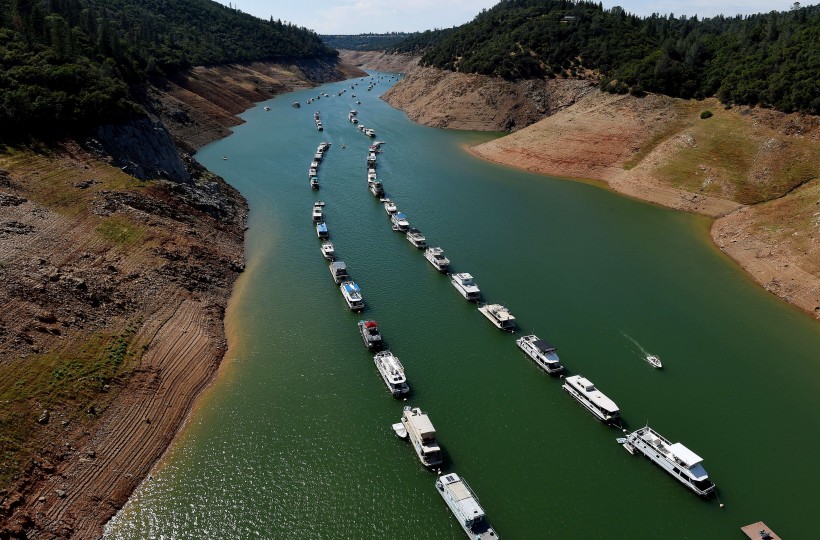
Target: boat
pixel 321 230
pixel 295 104
pixel 465 507
pixel 585 393
pixel 338 269
pixel 377 189
pixel 317 157
pixel 400 222
pixel 415 237
pixel 541 352
pixel 328 251
pixel 314 183
pixel 392 373
pixel 436 257
pixel 319 203
pixel 314 164
pixel 317 213
pixel 390 207
pixel 422 435
pixel 676 459
pixel 352 295
pixel 370 132
pixel 370 334
pixel 319 126
pixel 399 430
pixel 312 172
pixel 654 361
pixel 499 316
pixel 354 112
pixel 464 284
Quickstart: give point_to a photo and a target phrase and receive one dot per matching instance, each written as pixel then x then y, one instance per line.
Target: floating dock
pixel 759 531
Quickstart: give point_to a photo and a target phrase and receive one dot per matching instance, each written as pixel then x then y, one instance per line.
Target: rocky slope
pixel 117 259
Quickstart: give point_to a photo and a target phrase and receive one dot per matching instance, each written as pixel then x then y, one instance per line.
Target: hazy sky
pixel 378 16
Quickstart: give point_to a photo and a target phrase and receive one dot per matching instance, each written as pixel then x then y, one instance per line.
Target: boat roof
pixel 422 424
pixel 338 265
pixel 685 455
pixel 463 496
pixel 400 215
pixel 543 346
pixel 350 287
pixel 321 225
pixel 464 275
pixel 591 392
pixel 370 324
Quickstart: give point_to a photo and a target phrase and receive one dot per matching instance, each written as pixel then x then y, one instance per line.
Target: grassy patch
pixel 719 160
pixel 50 175
pixel 69 383
pixel 121 232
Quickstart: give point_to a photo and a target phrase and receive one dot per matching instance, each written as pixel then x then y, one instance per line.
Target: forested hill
pixel 69 64
pixel 769 59
pixel 365 42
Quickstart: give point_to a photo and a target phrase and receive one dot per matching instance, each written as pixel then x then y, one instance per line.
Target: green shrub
pixel 705 114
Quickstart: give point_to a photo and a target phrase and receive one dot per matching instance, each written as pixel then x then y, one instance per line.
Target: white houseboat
pixel 400 222
pixel 593 400
pixel 422 435
pixel 415 237
pixel 465 507
pixel 541 352
pixel 436 257
pixel 499 316
pixel 352 295
pixel 676 459
pixel 392 373
pixel 464 284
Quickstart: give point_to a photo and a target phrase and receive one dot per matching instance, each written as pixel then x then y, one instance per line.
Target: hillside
pixel 74 64
pixel 769 59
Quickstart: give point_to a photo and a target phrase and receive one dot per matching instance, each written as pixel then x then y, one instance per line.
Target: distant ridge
pixel 768 59
pixel 72 64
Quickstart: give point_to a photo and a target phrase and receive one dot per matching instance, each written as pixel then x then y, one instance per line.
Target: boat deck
pixel 755 529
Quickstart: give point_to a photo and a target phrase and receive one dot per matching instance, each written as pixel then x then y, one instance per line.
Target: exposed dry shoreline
pixel 128 278
pixel 756 172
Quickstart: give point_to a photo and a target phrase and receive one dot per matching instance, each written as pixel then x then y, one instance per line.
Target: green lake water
pixel 293 440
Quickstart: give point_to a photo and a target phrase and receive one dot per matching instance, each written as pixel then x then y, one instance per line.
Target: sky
pixel 381 16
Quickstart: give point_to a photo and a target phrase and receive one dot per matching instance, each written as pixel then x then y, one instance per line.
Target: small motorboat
pixel 654 361
pixel 399 430
pixel 314 183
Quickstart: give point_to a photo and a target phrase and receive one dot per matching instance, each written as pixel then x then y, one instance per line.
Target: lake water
pixel 293 441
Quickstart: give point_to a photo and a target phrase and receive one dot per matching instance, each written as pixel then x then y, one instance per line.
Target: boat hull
pixel 588 406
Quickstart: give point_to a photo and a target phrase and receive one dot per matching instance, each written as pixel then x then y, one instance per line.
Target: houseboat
pixel 676 459
pixel 436 257
pixel 465 507
pixel 321 230
pixel 399 221
pixel 370 334
pixel 593 400
pixel 464 284
pixel 338 269
pixel 422 435
pixel 392 373
pixel 499 316
pixel 352 295
pixel 415 237
pixel 328 251
pixel 541 352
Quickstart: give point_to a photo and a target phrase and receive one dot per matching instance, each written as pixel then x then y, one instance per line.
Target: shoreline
pixel 766 274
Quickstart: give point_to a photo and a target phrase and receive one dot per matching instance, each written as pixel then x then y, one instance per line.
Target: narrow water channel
pixel 293 441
